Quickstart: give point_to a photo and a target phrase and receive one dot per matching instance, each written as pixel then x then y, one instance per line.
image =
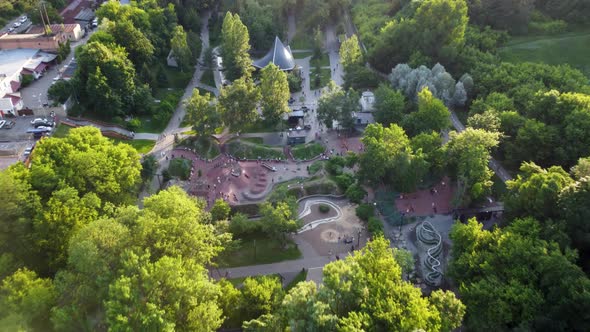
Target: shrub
pixel 344 181
pixel 26 80
pixel 180 168
pixel 134 124
pixel 335 165
pixel 240 226
pixel 355 193
pixel 324 208
pixel 60 91
pixel 294 82
pixel 365 211
pixel 375 226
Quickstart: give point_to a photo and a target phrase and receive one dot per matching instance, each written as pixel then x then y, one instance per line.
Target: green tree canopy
pixel 202 113
pixel 432 114
pixel 350 52
pixel 468 155
pixel 274 90
pixel 389 105
pixel 388 157
pixel 180 48
pixel 237 103
pixel 87 162
pixel 511 279
pixel 235 45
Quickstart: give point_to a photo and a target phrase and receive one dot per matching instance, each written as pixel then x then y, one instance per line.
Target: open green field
pixel 142 146
pixel 571 48
pixel 254 250
pixel 307 151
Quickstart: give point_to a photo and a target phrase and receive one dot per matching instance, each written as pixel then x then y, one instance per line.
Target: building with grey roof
pixel 280 55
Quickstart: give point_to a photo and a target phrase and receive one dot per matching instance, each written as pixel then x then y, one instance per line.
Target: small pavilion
pixel 280 55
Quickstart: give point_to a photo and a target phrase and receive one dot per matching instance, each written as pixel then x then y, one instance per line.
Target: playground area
pixel 396 207
pixel 335 232
pixel 237 182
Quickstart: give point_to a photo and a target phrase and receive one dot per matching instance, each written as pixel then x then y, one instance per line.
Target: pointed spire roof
pixel 280 55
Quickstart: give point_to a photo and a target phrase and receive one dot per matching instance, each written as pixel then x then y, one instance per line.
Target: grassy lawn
pixel 208 78
pixel 299 278
pixel 325 77
pixel 244 149
pixel 568 48
pixel 177 79
pixel 203 146
pixel 324 61
pixel 61 131
pixel 307 151
pixel 262 127
pixel 258 250
pixel 255 140
pixel 302 55
pixel 142 146
pixel 302 41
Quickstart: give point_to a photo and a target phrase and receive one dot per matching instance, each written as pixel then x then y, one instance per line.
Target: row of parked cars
pixel 18 23
pixel 40 123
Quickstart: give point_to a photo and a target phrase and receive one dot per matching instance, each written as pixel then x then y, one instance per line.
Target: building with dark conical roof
pixel 280 55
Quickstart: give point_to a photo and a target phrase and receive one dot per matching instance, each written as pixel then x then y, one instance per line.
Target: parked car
pixel 39 120
pixel 10 30
pixel 47 128
pixel 17 24
pixel 291 100
pixel 9 124
pixel 43 124
pixel 23 19
pixel 2 122
pixel 307 127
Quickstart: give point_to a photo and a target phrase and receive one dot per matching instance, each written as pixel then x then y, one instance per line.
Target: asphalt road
pixel 35 95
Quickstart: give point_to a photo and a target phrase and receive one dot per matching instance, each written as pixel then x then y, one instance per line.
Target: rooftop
pixel 85 14
pixel 280 55
pixel 54 28
pixel 13 61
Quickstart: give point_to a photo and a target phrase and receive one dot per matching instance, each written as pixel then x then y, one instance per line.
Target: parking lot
pixel 19 131
pixel 20 29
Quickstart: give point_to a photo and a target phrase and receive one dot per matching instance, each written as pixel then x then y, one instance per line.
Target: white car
pixel 38 120
pixel 17 24
pixel 10 30
pixel 23 19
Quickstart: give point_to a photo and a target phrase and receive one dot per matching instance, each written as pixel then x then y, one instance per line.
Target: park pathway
pixel 291 27
pixel 165 141
pixel 333 47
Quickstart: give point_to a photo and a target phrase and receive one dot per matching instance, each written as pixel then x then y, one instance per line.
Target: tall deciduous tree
pixel 87 162
pixel 274 89
pixel 535 191
pixel 338 105
pixel 237 103
pixel 235 44
pixel 280 219
pixel 166 295
pixel 469 154
pixel 389 105
pixel 388 157
pixel 202 113
pixel 138 46
pixel 432 114
pixel 101 96
pixel 180 48
pixel 350 52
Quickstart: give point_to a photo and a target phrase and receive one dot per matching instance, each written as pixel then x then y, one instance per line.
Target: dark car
pixel 291 100
pixel 305 109
pixel 43 124
pixel 307 127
